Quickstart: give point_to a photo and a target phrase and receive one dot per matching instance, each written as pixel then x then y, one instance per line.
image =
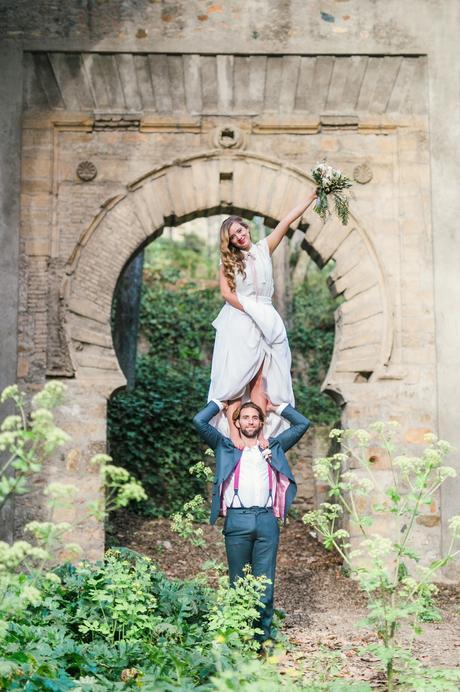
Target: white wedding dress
pixel 246 340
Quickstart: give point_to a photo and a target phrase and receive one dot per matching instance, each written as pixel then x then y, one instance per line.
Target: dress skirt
pixel 245 341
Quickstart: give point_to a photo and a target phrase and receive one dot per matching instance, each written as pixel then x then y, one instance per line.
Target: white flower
pixel 336 433
pixel 60 490
pixel 31 594
pixel 12 423
pixel 445 472
pixel 362 437
pixel 11 392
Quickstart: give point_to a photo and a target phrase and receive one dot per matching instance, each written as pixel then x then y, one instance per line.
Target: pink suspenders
pixel 236 484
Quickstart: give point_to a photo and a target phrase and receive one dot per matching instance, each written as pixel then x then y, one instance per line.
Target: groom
pixel 252 489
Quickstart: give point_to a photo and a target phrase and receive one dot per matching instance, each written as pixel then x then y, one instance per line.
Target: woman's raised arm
pixel 277 235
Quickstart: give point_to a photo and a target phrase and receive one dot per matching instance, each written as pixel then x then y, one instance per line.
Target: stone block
pixel 330 237
pixel 246 184
pixel 73 458
pixel 200 176
pixel 416 435
pixel 268 180
pixel 94 357
pixel 428 520
pixel 86 308
pixel 149 207
pixel 361 306
pixel 101 337
pixel 23 367
pixel 224 82
pixel 192 83
pixel 36 168
pixel 379 458
pixel 37 247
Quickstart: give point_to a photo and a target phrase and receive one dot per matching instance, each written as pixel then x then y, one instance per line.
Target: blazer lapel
pixel 279 461
pixel 231 456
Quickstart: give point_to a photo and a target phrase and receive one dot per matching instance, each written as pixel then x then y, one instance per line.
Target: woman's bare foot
pixel 263 442
pixel 237 441
pixel 234 432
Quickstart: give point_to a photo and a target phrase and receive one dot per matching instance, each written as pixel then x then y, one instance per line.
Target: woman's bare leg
pixel 259 397
pixel 234 434
pixel 256 391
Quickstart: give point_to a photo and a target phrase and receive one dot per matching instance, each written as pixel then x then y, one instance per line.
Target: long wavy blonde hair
pixel 233 259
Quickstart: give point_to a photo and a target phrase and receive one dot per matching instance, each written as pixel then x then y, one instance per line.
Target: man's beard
pixel 250 433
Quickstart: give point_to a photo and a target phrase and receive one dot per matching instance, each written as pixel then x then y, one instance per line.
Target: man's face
pixel 249 422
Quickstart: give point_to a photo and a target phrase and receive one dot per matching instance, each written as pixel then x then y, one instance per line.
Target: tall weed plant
pixel 388 565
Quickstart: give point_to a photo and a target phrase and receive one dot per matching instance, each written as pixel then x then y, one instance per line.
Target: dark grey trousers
pixel 251 538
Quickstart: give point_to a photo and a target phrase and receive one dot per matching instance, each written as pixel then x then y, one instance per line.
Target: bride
pixel 251 357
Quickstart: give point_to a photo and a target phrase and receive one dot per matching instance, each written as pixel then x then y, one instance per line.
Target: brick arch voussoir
pixel 210 183
pixel 364 325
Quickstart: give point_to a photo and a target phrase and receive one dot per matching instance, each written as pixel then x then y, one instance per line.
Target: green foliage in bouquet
pixel 389 569
pixel 331 182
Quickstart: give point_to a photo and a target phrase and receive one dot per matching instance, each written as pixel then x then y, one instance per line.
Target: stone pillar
pixel 83 417
pixel 10 157
pixel 445 172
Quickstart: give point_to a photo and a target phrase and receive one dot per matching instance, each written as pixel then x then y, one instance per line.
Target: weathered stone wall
pixel 10 148
pixel 69 333
pixel 147 83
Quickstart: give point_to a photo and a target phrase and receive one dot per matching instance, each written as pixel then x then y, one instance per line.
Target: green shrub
pixel 311 338
pixel 111 624
pixel 121 619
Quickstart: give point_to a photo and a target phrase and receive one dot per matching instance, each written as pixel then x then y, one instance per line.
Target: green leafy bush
pixel 150 427
pixel 111 624
pixel 311 338
pixel 99 624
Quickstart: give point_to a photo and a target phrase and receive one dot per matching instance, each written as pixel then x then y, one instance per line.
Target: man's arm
pixel 206 431
pixel 299 426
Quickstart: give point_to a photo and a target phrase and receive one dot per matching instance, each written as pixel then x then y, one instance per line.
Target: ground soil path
pixel 321 603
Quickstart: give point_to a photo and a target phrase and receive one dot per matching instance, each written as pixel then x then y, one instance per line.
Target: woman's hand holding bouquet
pixel 331 182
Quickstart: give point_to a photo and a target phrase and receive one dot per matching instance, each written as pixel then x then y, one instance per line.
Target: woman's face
pixel 239 236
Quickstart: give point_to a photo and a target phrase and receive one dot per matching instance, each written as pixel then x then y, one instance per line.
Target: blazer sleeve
pixel 206 431
pixel 299 426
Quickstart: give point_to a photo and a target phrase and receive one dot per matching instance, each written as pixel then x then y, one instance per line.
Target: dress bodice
pixel 259 274
pixel 250 338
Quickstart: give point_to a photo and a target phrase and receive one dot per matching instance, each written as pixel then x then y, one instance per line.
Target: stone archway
pixel 210 183
pixel 204 184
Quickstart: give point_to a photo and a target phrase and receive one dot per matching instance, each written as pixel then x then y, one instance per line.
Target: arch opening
pixel 219 182
pixel 149 423
pixel 230 182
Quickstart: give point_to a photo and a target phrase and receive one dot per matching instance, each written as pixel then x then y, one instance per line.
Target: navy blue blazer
pixel 227 456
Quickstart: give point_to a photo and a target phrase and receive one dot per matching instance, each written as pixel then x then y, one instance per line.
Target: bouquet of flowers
pixel 333 182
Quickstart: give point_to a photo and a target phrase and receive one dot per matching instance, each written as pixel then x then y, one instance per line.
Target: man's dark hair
pixel 248 404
